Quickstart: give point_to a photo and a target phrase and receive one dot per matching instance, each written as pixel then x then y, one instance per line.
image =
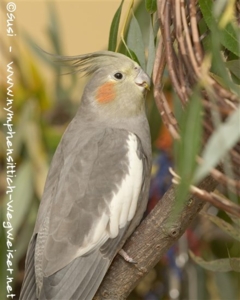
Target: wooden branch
pixel 152 238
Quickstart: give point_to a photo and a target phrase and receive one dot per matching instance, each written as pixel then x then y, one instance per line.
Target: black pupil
pixel 118 75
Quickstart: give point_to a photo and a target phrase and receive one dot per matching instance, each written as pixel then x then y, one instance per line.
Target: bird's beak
pixel 143 80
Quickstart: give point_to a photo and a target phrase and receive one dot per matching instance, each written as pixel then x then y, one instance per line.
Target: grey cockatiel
pixel 97 185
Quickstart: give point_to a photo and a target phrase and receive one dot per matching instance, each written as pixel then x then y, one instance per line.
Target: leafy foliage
pixel 222 140
pixel 226 264
pixel 219 265
pixel 229 35
pixel 187 148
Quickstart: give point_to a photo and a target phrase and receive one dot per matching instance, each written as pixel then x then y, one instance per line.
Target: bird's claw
pixel 126 257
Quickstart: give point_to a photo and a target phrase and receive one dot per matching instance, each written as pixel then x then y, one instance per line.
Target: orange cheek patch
pixel 106 93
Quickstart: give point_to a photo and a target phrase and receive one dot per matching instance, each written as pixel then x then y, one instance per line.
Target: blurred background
pixel 44 103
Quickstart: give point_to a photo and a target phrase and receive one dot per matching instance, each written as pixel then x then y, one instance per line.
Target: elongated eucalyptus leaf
pixel 135 41
pixel 226 286
pixel 235 220
pixel 234 67
pixel 21 197
pixel 219 265
pixel 112 42
pixel 218 64
pixel 151 6
pixel 187 148
pixel 36 150
pixel 225 226
pixel 221 141
pixel 54 29
pixel 235 263
pixel 132 55
pixel 229 36
pixel 151 50
pixel 36 49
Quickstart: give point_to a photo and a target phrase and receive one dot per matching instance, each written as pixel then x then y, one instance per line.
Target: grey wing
pixel 95 199
pixel 79 280
pixel 82 213
pixel 28 291
pixel 29 286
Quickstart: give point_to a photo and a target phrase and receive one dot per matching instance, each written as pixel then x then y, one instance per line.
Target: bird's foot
pixel 126 257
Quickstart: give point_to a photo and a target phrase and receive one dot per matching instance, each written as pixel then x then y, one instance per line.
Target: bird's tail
pixel 77 281
pixel 28 290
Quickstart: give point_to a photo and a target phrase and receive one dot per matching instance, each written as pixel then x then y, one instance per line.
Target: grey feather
pixel 87 64
pixel 28 291
pixel 89 178
pixel 88 271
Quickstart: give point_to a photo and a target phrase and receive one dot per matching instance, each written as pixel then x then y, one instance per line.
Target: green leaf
pixel 188 146
pixel 219 265
pixel 151 6
pixel 191 129
pixel 155 122
pixel 112 42
pixel 21 197
pixel 151 50
pixel 229 36
pixel 38 51
pixel 235 263
pixel 225 284
pixel 225 226
pixel 37 154
pixel 54 29
pixel 221 141
pixel 230 39
pixel 235 219
pixel 132 55
pixel 21 125
pixel 135 41
pixel 234 67
pixel 218 65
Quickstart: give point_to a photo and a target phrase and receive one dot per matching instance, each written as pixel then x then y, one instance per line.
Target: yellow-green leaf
pixel 188 147
pixel 221 141
pixel 135 41
pixel 112 42
pixel 151 50
pixel 235 263
pixel 225 226
pixel 235 220
pixel 219 265
pixel 21 197
pixel 229 36
pixel 151 6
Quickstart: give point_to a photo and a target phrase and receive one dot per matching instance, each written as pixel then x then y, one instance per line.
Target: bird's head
pixel 117 87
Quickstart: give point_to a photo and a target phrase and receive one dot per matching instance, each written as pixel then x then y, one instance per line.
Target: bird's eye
pixel 118 75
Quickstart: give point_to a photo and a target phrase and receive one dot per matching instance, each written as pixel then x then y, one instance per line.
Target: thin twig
pixel 217 201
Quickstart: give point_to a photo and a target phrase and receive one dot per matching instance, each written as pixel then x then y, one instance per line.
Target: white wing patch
pixel 123 204
pixel 97 236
